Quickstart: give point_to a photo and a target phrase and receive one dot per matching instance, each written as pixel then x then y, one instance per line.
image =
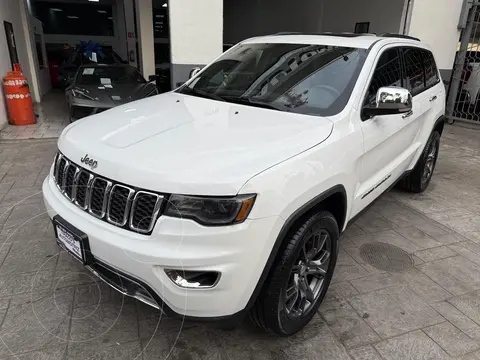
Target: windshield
pixel 107 75
pixel 300 78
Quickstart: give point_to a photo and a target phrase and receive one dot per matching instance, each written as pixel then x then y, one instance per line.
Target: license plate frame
pixel 69 238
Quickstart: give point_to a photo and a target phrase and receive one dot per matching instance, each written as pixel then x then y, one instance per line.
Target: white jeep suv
pixel 228 196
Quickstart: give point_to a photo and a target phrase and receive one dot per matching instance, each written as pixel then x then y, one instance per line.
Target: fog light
pixel 193 279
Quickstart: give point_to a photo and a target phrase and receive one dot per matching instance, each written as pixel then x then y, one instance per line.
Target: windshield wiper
pixel 196 92
pixel 248 101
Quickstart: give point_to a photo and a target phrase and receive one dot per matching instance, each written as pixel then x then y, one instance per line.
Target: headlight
pixel 81 95
pixel 211 210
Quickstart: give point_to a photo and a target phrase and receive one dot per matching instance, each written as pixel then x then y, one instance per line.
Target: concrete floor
pixel 50 308
pixel 52 118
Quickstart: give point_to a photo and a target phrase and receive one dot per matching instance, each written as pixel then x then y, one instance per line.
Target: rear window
pixel 298 78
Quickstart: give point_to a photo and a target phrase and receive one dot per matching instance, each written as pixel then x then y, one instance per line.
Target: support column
pixel 29 69
pixel 442 39
pixel 119 23
pixel 146 44
pixel 196 35
pixel 128 7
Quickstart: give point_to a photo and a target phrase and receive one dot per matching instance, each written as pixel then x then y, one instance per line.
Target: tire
pixel 74 115
pixel 276 311
pixel 417 181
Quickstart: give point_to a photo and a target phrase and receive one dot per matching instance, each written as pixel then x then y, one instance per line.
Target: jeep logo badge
pixel 89 161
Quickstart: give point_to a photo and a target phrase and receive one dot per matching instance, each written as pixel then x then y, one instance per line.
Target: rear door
pixel 421 78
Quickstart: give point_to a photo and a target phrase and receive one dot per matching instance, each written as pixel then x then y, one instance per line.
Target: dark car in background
pixel 77 58
pixel 99 87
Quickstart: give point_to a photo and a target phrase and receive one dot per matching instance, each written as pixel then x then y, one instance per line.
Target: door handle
pixel 434 97
pixel 410 113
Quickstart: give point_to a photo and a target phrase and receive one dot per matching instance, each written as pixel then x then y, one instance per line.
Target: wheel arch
pixel 439 124
pixel 333 200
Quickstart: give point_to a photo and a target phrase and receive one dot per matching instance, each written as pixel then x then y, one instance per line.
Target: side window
pixel 414 73
pixel 388 72
pixel 431 71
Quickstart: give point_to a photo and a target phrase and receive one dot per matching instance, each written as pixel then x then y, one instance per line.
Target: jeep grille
pixel 118 204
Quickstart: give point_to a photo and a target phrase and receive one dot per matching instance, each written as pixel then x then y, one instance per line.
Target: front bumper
pixel 239 253
pixel 81 111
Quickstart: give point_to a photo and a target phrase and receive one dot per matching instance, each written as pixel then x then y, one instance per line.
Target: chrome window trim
pixel 156 210
pixel 125 214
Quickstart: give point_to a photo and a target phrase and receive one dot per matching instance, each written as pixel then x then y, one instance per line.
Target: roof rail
pixel 401 36
pixel 341 34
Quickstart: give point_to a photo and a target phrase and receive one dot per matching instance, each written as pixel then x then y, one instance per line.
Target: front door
pixel 388 147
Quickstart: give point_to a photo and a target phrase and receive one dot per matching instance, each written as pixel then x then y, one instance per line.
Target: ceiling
pixel 102 2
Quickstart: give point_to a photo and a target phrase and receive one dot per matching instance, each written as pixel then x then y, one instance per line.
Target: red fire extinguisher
pixel 19 99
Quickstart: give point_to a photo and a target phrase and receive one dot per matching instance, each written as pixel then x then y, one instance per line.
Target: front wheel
pixel 417 181
pixel 300 276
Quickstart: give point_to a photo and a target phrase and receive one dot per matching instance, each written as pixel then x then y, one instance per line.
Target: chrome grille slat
pixel 111 201
pixel 120 205
pixel 102 194
pixel 65 171
pixel 156 208
pixel 75 183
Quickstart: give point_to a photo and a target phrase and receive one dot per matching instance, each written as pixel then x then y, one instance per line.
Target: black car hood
pixel 117 94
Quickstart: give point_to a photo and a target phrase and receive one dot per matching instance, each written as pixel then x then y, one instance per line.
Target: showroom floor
pixel 52 117
pixel 423 303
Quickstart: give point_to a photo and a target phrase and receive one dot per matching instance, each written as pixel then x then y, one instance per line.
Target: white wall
pixel 435 22
pixel 196 30
pixel 383 15
pixel 248 18
pixel 14 11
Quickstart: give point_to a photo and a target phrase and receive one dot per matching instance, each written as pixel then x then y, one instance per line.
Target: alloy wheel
pixel 307 277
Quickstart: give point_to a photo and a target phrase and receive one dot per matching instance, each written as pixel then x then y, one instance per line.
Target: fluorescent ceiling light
pixel 165 5
pixel 56 9
pixel 102 11
pixel 73 17
pixel 94 0
pixel 160 16
pixel 158 22
pixel 110 18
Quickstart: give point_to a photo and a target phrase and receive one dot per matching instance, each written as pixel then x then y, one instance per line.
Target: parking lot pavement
pixel 422 303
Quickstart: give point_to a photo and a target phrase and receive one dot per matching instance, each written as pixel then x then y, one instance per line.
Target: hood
pixel 117 94
pixel 176 143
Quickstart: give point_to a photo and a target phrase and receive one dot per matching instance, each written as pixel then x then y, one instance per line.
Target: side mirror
pixel 194 72
pixel 390 100
pixel 152 78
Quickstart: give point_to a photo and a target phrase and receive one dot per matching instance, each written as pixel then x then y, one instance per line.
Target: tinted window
pixel 388 72
pixel 300 78
pixel 414 74
pixel 431 72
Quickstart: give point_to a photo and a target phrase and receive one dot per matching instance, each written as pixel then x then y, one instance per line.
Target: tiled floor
pixel 52 117
pixel 50 308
